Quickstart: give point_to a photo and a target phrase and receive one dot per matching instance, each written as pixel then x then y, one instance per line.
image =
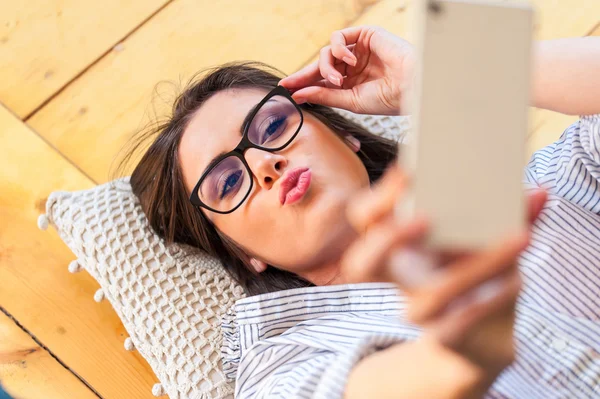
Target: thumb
pixel 338 98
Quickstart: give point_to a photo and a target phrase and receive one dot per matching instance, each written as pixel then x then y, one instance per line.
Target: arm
pixel 418 369
pixel 566 75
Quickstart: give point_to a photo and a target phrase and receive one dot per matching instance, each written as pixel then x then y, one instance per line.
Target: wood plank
pixel 553 18
pixel 28 371
pixel 549 131
pixel 91 120
pixel 56 306
pixel 392 15
pixel 557 18
pixel 44 44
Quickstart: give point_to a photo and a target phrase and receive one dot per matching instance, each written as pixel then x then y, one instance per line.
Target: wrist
pixel 423 369
pixel 462 378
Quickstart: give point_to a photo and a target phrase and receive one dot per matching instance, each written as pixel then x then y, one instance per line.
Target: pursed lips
pixel 294 185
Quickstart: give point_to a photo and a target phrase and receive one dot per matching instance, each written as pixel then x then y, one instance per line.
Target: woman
pixel 290 197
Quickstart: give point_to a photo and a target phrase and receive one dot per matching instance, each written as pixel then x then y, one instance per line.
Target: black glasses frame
pixel 245 144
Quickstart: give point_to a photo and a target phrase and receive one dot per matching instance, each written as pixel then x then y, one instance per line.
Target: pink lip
pixel 294 185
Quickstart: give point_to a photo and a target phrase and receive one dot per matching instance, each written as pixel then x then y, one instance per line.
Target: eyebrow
pixel 213 162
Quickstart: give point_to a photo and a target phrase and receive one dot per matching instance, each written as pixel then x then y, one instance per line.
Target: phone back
pixel 470 106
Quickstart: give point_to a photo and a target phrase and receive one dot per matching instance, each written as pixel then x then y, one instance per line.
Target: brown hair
pixel 157 179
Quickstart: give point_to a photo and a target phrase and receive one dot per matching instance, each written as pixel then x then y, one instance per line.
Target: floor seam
pixel 95 61
pixel 37 341
pixel 593 29
pixel 63 156
pixel 346 25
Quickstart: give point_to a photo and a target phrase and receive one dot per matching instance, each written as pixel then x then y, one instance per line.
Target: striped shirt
pixel 303 343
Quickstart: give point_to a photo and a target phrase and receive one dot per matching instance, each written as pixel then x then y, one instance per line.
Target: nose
pixel 266 166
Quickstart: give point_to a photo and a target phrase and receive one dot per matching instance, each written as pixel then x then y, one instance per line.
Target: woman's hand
pixel 365 69
pixel 465 300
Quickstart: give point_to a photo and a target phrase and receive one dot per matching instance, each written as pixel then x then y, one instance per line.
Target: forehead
pixel 215 128
pixel 225 109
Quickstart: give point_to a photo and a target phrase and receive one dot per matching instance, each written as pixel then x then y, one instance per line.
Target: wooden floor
pixel 76 80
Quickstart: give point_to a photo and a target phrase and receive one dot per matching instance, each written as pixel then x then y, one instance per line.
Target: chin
pixel 327 227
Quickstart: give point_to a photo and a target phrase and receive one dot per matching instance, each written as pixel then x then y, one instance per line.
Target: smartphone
pixel 470 106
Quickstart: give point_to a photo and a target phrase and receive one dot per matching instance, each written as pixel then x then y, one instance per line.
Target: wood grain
pixel 92 119
pixel 28 371
pixel 45 43
pixel 36 288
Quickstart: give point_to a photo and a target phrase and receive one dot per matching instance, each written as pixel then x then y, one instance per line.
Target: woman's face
pixel 302 236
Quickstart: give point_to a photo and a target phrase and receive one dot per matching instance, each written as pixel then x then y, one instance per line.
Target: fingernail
pixel 481 294
pixel 335 80
pixel 299 100
pixel 487 291
pixel 349 60
pixel 411 268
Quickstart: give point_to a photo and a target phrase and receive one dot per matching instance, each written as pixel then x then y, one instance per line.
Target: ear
pixel 352 142
pixel 258 265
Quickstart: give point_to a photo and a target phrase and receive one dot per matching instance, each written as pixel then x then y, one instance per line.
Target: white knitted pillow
pixel 169 298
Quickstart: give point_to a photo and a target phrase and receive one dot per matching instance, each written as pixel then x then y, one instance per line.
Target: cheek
pixel 319 144
pixel 328 151
pixel 247 225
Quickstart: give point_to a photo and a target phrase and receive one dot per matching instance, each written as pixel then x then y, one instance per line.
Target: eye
pixel 274 127
pixel 231 181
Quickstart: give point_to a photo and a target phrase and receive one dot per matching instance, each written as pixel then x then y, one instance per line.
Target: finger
pixel 340 50
pixel 338 98
pixel 366 259
pixel 466 275
pixel 491 298
pixel 310 74
pixel 325 83
pixel 320 83
pixel 302 78
pixel 448 256
pixel 412 267
pixel 326 66
pixel 370 38
pixel 348 36
pixel 536 201
pixel 372 205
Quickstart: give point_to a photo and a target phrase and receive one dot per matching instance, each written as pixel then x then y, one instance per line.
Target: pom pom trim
pixel 42 222
pixel 75 267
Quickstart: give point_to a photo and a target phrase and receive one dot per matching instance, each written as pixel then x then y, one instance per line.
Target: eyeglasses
pixel 270 126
